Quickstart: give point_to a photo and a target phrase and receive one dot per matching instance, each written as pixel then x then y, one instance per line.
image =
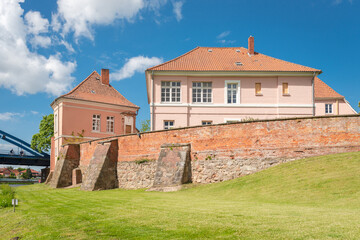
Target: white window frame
pixel 202 88
pixel 167 126
pixel 207 122
pixel 226 91
pixel 110 123
pixel 172 89
pixel 327 109
pixel 96 119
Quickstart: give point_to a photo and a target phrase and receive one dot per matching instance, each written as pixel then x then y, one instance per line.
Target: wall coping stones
pixel 220 124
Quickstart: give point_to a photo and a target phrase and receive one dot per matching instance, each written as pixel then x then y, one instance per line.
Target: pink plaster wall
pixel 185 114
pixel 74 117
pixel 344 107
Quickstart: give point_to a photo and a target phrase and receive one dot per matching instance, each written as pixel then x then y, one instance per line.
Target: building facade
pixel 92 110
pixel 219 85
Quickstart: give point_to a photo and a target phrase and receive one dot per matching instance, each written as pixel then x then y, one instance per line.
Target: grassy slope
pixel 314 198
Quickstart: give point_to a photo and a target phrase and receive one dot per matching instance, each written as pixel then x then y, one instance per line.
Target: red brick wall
pixel 290 138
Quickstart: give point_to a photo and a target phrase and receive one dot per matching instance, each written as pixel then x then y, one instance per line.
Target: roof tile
pixel 91 89
pixel 322 90
pixel 225 59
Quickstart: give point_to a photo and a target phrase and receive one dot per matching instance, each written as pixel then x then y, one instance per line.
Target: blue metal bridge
pixel 24 155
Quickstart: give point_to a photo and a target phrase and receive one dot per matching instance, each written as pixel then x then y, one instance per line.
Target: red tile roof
pixel 91 89
pixel 225 59
pixel 322 90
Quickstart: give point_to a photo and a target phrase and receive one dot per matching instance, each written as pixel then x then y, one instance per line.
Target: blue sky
pixel 47 47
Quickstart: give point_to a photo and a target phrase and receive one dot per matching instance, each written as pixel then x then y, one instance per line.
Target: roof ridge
pixel 81 83
pixel 173 59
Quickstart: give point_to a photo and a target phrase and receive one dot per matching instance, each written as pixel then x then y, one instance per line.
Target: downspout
pixel 313 92
pixel 152 101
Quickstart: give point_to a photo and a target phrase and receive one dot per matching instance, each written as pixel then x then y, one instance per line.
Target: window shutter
pixel 285 88
pixel 258 88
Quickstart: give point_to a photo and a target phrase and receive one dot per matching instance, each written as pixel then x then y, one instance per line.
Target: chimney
pixel 251 45
pixel 105 76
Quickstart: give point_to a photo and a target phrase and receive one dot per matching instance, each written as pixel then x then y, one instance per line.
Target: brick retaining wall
pixel 225 151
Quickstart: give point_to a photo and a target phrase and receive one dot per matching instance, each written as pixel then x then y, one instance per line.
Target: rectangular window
pixel 170 91
pixel 258 88
pixel 96 123
pixel 168 124
pixel 202 92
pixel 285 88
pixel 206 122
pixel 110 124
pixel 328 108
pixel 232 92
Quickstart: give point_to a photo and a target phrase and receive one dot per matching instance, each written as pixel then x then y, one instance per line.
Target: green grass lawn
pixel 313 198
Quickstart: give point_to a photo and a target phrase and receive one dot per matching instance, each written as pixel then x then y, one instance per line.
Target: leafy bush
pixel 6 195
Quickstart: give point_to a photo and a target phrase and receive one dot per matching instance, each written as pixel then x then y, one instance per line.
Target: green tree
pixel 42 140
pixel 145 126
pixel 27 174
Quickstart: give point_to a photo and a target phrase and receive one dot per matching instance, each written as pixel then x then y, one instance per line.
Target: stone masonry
pixel 173 167
pixel 221 152
pixel 137 174
pixel 69 158
pixel 102 170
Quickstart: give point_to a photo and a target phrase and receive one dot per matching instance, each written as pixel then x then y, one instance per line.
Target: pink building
pixel 217 85
pixel 92 110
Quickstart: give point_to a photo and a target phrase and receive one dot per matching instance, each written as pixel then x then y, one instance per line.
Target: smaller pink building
pixel 92 110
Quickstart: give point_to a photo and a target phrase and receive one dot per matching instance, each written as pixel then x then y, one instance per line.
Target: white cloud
pixel 155 5
pixel 40 41
pixel 221 38
pixel 35 23
pixel 80 15
pixel 177 9
pixel 223 41
pixel 223 35
pixel 134 65
pixel 21 70
pixel 34 112
pixel 6 116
